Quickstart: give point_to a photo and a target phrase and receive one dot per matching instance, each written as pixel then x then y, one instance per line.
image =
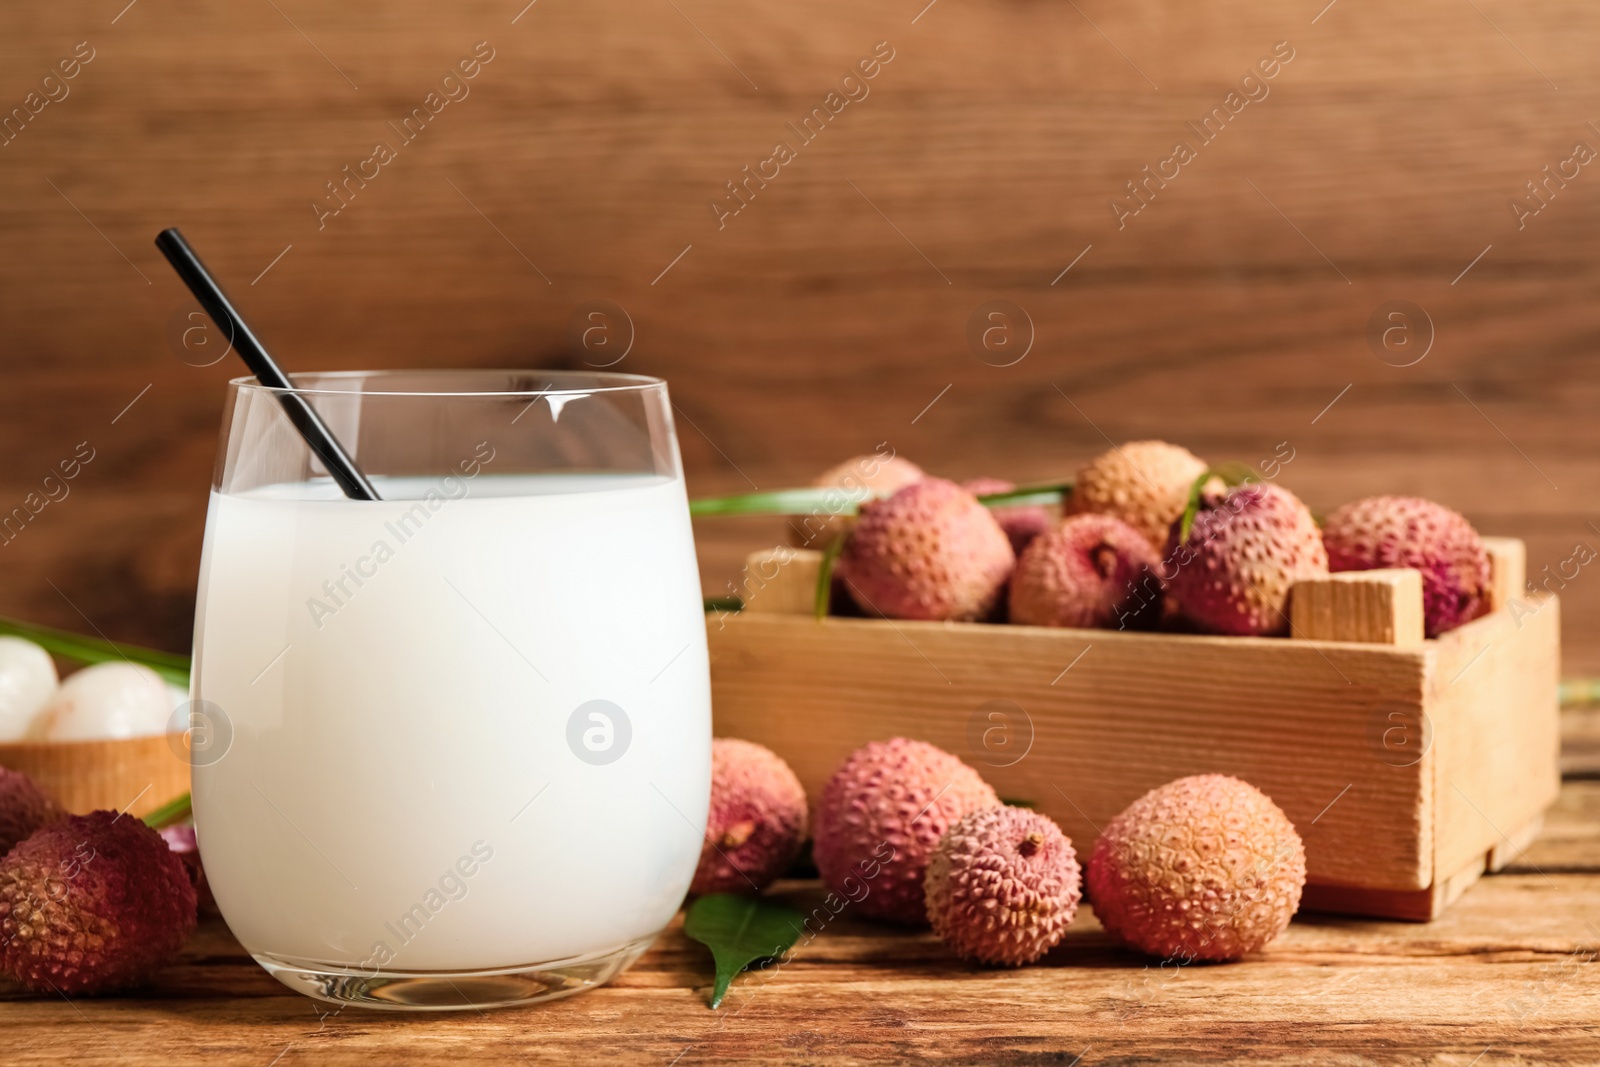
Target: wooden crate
pixel 1409 766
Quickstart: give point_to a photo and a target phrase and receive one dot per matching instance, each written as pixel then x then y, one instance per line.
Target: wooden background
pixel 829 313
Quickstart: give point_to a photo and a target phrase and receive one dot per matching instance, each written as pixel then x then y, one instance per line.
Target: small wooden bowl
pixel 138 774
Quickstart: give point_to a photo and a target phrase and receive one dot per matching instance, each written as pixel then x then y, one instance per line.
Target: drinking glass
pixel 452 747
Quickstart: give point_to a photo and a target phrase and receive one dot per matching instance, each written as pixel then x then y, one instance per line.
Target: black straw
pixel 300 412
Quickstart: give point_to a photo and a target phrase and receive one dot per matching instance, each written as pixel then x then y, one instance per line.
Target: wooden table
pixel 1508 975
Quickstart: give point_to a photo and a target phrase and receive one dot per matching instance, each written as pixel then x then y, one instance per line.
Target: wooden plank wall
pixel 834 308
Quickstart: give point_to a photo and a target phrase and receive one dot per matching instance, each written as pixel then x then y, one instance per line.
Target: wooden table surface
pixel 1506 976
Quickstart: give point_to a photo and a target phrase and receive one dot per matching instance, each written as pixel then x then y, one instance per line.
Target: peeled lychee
pixel 1206 867
pixel 92 903
pixel 1144 483
pixel 757 821
pixel 858 480
pixel 1248 547
pixel 930 551
pixel 108 700
pixel 880 817
pixel 1091 571
pixel 1406 531
pixel 1021 522
pixel 1003 886
pixel 24 808
pixel 27 683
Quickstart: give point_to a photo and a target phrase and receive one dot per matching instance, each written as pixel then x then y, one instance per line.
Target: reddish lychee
pixel 857 480
pixel 930 551
pixel 880 817
pixel 757 821
pixel 1144 483
pixel 1002 886
pixel 1406 531
pixel 1091 571
pixel 92 903
pixel 1021 522
pixel 1206 867
pixel 24 808
pixel 1248 547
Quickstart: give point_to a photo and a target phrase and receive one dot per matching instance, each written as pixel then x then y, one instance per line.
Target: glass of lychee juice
pixel 457 740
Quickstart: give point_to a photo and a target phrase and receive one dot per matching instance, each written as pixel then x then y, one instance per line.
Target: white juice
pixel 400 793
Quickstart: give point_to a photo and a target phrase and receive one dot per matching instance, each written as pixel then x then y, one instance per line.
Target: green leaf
pixel 170 812
pixel 740 930
pixel 1054 493
pixel 174 668
pixel 723 603
pixel 824 500
pixel 830 556
pixel 1232 473
pixel 835 500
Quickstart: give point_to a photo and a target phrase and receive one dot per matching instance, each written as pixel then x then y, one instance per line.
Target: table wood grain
pixel 1508 975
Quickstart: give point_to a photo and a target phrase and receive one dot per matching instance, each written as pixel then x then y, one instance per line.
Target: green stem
pixel 1577 692
pixel 68 645
pixel 172 811
pixel 833 500
pixel 830 556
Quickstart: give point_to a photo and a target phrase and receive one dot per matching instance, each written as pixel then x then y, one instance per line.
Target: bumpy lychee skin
pixel 858 479
pixel 1206 868
pixel 930 551
pixel 1003 886
pixel 1091 571
pixel 92 903
pixel 1248 547
pixel 24 808
pixel 1022 522
pixel 757 821
pixel 880 817
pixel 1144 483
pixel 1406 531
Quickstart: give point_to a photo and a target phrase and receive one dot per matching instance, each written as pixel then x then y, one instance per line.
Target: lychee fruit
pixel 1021 522
pixel 1091 571
pixel 757 821
pixel 1247 548
pixel 92 903
pixel 1144 483
pixel 1406 531
pixel 27 683
pixel 24 808
pixel 116 699
pixel 880 817
pixel 930 551
pixel 1003 886
pixel 180 838
pixel 1206 867
pixel 858 480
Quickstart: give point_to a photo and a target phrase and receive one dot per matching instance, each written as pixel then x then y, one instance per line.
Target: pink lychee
pixel 930 551
pixel 880 817
pixel 757 820
pixel 1248 547
pixel 1205 867
pixel 1002 886
pixel 1090 571
pixel 1406 531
